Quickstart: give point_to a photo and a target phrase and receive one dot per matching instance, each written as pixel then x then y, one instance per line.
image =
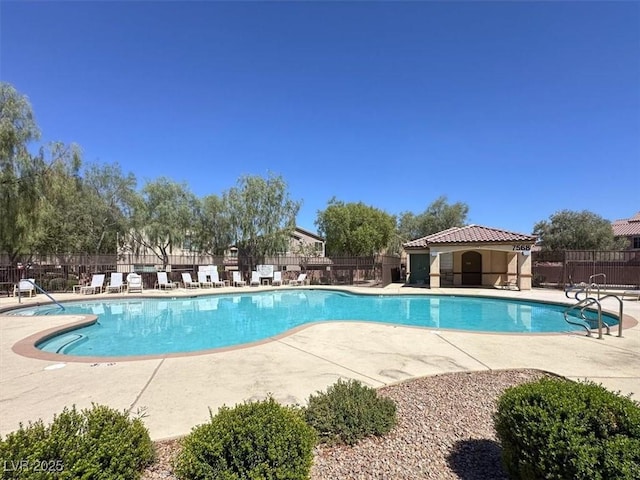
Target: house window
pixel 318 247
pixel 636 242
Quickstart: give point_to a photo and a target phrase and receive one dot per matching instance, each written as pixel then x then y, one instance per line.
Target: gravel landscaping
pixel 445 431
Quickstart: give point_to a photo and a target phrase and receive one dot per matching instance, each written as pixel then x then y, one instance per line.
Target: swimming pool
pixel 157 326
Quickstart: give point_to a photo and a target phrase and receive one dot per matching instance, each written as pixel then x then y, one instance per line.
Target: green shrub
pixel 349 411
pixel 96 443
pixel 556 429
pixel 60 285
pixel 255 440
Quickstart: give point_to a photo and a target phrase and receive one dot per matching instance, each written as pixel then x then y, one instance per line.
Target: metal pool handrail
pixel 584 303
pixel 40 289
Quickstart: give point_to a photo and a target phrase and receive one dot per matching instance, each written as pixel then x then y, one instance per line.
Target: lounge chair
pixel 25 286
pixel 202 280
pixel 164 282
pixel 237 280
pixel 510 284
pixel 115 283
pixel 215 279
pixel 97 284
pixel 631 295
pixel 255 279
pixel 188 282
pixel 277 278
pixel 300 280
pixel 134 283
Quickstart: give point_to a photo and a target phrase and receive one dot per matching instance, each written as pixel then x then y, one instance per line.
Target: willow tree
pixel 112 196
pixel 262 216
pixel 212 232
pixel 163 217
pixel 64 216
pixel 20 173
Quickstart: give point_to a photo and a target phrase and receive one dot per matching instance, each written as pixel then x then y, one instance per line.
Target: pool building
pixel 472 255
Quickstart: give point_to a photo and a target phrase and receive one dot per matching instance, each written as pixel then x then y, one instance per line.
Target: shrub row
pixel 253 440
pixel 550 429
pixel 557 429
pixel 268 441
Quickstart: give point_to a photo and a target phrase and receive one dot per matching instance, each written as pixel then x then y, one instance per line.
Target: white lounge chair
pixel 237 280
pixel 299 281
pixel 164 282
pixel 188 282
pixel 277 278
pixel 202 280
pixel 255 279
pixel 134 283
pixel 25 286
pixel 115 283
pixel 97 283
pixel 215 279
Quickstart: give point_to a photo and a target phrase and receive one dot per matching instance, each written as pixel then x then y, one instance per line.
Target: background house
pixel 630 229
pixel 304 241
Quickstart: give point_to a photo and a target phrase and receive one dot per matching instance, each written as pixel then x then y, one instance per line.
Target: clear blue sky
pixel 518 109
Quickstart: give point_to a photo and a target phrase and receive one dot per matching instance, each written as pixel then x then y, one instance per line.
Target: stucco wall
pixel 499 267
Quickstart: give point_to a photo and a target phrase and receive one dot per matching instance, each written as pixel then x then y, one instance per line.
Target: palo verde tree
pixel 354 228
pixel 572 230
pixel 20 173
pixel 262 216
pixel 163 216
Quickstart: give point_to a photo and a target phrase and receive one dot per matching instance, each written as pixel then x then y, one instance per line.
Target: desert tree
pixel 21 173
pixel 439 215
pixel 212 232
pixel 577 230
pixel 163 216
pixel 262 216
pixel 354 228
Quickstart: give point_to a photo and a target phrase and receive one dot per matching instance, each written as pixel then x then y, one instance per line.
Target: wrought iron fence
pixel 621 268
pixel 58 273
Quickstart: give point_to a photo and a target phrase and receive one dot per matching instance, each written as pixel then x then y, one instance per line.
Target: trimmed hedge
pixel 557 429
pixel 255 440
pixel 349 411
pixel 97 443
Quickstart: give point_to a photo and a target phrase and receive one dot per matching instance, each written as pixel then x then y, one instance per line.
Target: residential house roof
pixel 470 234
pixel 307 233
pixel 627 227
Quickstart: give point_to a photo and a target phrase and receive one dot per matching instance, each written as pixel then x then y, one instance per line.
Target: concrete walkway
pixel 177 393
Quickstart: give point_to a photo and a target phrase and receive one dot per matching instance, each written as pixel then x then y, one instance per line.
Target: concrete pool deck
pixel 176 393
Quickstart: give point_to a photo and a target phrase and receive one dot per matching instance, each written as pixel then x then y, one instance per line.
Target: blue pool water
pixel 155 326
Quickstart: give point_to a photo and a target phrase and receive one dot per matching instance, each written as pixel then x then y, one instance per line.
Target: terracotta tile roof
pixel 627 227
pixel 470 234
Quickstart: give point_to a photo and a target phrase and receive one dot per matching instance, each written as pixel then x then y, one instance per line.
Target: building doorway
pixel 471 268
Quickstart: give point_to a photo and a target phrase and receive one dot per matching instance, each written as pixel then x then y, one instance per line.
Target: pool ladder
pixel 589 301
